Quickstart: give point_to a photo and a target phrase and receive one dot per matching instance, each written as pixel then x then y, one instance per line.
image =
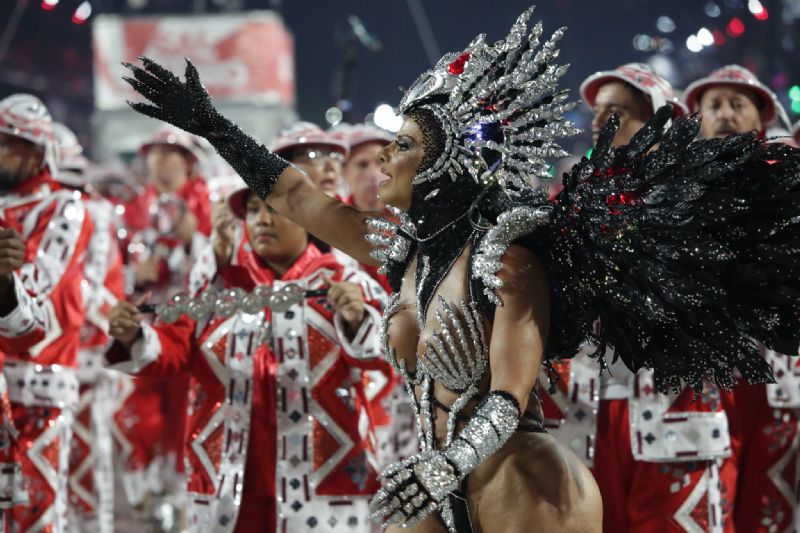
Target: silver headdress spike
pixel 501 98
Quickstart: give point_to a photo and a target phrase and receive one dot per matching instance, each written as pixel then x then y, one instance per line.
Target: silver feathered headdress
pixel 501 99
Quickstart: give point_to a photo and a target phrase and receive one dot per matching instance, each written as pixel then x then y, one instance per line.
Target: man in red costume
pixel 316 152
pixel 396 430
pixel 764 418
pixel 170 222
pixel 41 307
pixel 280 436
pixel 167 226
pixel 91 483
pixel 362 173
pixel 361 170
pixel 659 460
pixel 320 156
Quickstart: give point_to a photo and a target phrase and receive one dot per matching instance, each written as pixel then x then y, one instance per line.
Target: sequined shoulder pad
pixel 511 225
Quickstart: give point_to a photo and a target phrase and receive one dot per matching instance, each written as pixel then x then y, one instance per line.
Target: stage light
pixel 47 5
pixel 758 10
pixel 705 37
pixel 386 119
pixel 82 13
pixel 693 44
pixel 735 27
pixel 642 42
pixel 333 115
pixel 665 24
pixel 712 9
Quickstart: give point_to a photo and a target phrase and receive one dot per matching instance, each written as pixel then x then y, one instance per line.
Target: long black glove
pixel 188 106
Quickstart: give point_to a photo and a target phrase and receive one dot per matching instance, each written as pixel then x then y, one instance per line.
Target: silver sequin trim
pixel 511 225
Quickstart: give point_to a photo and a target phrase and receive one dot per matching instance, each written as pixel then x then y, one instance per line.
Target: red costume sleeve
pixel 164 350
pixel 196 195
pixel 47 287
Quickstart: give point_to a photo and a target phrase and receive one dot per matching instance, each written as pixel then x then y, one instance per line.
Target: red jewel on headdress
pixel 457 67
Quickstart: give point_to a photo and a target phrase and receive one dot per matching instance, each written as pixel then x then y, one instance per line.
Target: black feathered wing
pixel 688 252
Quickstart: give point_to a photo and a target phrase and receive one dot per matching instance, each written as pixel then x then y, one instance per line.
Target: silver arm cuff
pixel 491 425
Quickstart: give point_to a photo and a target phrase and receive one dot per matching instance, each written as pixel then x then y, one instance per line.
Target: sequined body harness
pixel 457 353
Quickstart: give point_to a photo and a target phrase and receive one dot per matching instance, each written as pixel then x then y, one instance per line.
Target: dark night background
pixel 50 55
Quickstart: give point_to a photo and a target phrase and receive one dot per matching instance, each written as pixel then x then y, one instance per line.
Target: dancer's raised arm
pixel 187 105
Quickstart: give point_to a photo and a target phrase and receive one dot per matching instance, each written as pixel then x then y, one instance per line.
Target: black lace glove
pixel 188 106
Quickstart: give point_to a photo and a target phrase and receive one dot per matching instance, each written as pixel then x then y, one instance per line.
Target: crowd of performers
pixel 226 414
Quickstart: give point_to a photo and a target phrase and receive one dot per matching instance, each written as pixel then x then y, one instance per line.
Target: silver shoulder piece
pixel 511 225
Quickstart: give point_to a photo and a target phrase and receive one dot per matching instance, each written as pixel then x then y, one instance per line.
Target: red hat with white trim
pixel 656 89
pixel 302 134
pixel 236 201
pixel 735 76
pixel 167 134
pixel 357 134
pixel 71 163
pixel 70 149
pixel 25 116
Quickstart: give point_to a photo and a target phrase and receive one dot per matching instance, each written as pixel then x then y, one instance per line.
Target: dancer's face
pixel 630 105
pixel 274 238
pixel 727 110
pixel 399 163
pixel 19 160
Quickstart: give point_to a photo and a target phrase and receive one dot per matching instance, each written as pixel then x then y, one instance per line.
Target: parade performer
pixel 492 278
pixel 660 460
pixel 764 417
pixel 167 226
pixel 170 221
pixel 91 483
pixel 303 396
pixel 41 308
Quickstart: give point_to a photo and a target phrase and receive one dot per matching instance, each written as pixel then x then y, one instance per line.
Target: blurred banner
pixel 242 58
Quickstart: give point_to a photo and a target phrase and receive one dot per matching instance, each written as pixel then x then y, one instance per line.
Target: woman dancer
pixel 671 247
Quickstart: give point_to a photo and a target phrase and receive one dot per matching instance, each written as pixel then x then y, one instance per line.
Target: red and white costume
pixel 91 481
pixel 40 339
pixel 148 426
pixel 765 422
pixel 91 487
pixel 662 462
pixel 280 438
pixel 764 418
pixel 150 219
pixel 381 384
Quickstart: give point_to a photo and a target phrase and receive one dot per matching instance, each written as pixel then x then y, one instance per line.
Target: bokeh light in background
pixel 49 51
